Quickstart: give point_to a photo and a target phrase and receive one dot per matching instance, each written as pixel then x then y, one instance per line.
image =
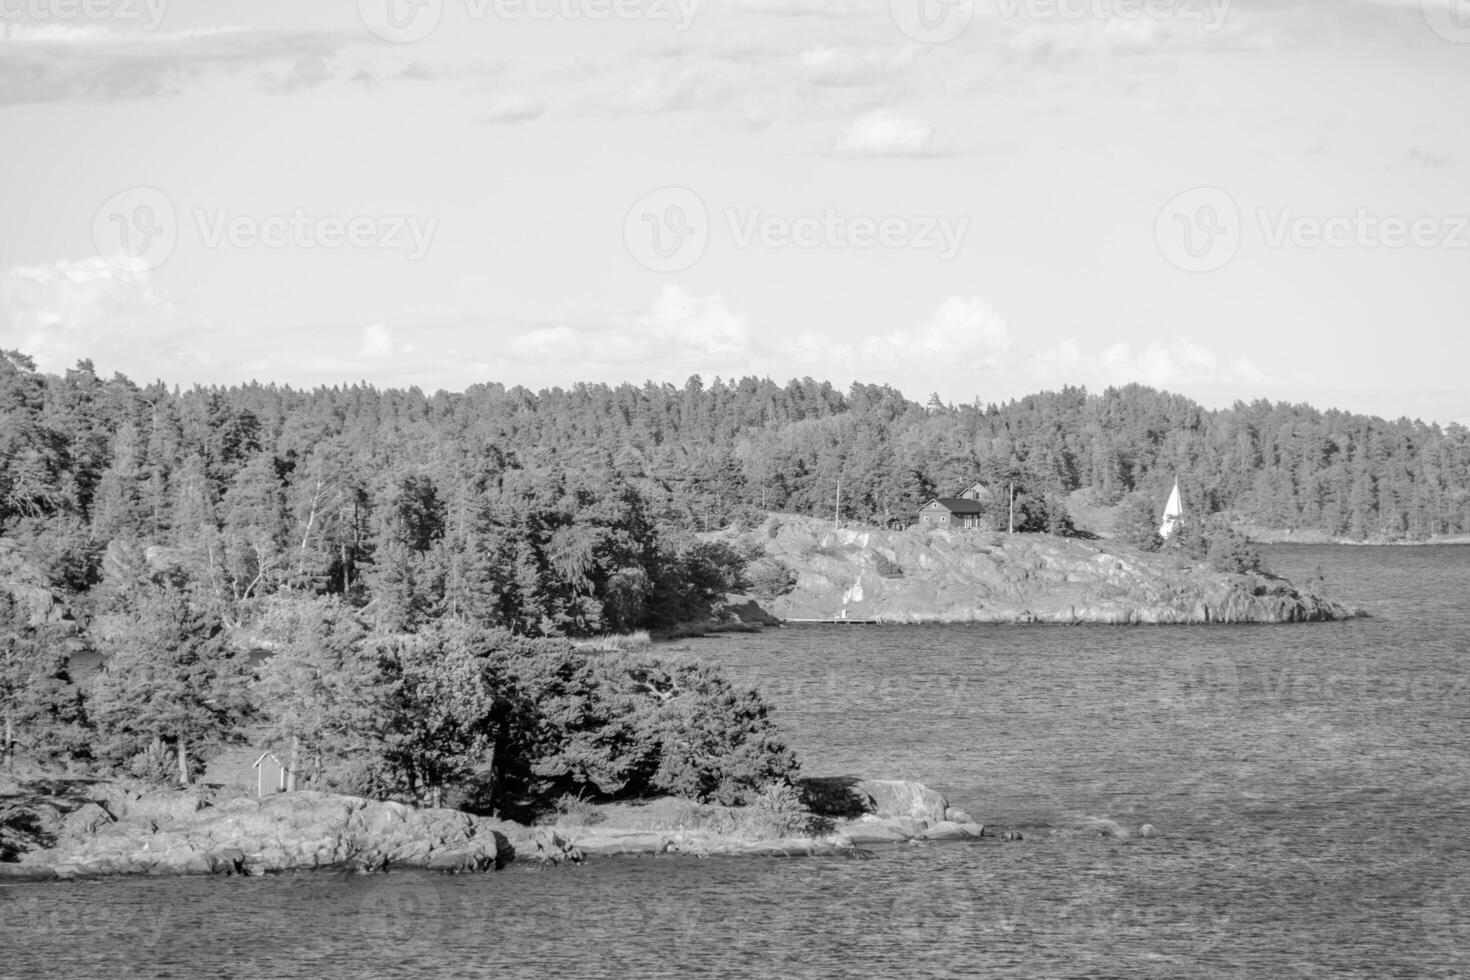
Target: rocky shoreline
pixel 78 828
pixel 975 576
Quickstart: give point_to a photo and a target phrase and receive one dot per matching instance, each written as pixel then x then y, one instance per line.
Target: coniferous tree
pixel 172 690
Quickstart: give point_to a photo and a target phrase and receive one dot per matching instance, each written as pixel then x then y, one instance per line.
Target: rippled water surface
pixel 1310 786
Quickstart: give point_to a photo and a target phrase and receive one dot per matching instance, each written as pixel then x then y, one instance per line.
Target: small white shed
pixel 270 775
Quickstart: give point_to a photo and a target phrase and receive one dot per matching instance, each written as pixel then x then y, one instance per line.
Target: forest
pixel 417 534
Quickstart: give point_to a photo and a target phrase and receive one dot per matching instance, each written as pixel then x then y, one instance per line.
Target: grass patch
pixel 778 813
pixel 620 643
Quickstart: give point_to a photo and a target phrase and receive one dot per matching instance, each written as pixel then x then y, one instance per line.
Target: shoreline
pixel 77 828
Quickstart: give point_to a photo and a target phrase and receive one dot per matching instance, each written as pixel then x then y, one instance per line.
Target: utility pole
pixel 1012 486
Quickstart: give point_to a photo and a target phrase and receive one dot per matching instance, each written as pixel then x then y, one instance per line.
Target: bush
pixel 1231 551
pixel 623 726
pixel 769 578
pixel 1138 524
pixel 1215 541
pixel 887 567
pixel 833 796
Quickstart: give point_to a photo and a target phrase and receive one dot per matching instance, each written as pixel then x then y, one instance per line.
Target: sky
pixel 979 199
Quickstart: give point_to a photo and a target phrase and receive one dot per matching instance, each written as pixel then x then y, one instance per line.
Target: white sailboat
pixel 1173 512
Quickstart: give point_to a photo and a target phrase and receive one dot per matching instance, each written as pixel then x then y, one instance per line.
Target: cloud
pixel 92 308
pixel 963 330
pixel 51 63
pixel 1179 365
pixel 513 109
pixel 674 90
pixel 681 334
pixel 966 349
pixel 956 350
pixel 832 66
pixel 798 8
pixel 886 133
pixel 377 342
pixel 1426 159
pixel 963 349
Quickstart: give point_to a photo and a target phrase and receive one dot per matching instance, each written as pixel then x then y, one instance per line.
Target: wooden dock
pixel 840 621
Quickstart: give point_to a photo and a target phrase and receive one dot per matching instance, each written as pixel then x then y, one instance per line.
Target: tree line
pixel 434 549
pixel 574 511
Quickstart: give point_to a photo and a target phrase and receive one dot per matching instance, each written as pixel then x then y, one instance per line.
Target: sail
pixel 1173 511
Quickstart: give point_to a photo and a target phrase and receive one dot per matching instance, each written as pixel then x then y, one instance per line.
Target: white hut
pixel 270 775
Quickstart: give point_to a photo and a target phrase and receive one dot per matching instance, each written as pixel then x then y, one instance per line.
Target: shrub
pixel 832 796
pixel 887 567
pixel 769 578
pixel 1215 541
pixel 1138 524
pixel 624 726
pixel 1231 551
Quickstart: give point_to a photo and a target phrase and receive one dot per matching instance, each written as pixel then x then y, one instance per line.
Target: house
pixel 953 512
pixel 271 775
pixel 978 491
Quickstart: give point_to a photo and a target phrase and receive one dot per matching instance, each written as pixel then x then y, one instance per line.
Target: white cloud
pixel 513 109
pixel 963 330
pixel 1178 365
pixel 886 133
pixel 377 342
pixel 843 66
pixel 966 349
pixel 56 62
pixel 68 310
pixel 681 334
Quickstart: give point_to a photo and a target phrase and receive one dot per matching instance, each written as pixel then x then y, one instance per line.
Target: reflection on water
pixel 1308 785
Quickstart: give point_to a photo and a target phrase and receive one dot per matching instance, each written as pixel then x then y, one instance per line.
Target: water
pixel 1310 786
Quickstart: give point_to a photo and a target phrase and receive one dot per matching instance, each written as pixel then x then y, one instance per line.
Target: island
pixel 810 571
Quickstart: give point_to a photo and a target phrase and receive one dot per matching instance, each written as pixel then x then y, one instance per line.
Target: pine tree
pixel 318 692
pixel 170 683
pixel 41 710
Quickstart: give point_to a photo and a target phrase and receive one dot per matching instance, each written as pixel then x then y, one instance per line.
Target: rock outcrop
pixel 863 813
pixel 80 828
pixel 936 575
